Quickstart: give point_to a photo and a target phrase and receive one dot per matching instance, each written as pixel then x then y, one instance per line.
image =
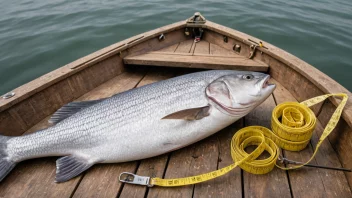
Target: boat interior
pixel 164 53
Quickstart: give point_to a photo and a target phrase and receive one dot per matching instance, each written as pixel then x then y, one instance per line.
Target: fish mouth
pixel 266 83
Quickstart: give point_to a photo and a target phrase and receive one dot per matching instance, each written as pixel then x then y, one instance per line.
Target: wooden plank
pixel 35 178
pixel 171 38
pixel 231 183
pixel 335 182
pixel 217 50
pixel 311 181
pixel 340 137
pixel 92 77
pixel 201 157
pixel 275 183
pixel 202 47
pixel 102 180
pixel 218 40
pixel 153 167
pixel 170 48
pixel 299 86
pixel 192 160
pixel 185 46
pixel 178 165
pixel 196 54
pixel 207 62
pixel 15 128
pixel 40 105
pixel 25 113
pixel 206 157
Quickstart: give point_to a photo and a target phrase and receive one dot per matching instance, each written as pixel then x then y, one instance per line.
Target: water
pixel 37 37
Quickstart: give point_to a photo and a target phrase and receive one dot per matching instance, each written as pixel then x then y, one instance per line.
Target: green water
pixel 37 37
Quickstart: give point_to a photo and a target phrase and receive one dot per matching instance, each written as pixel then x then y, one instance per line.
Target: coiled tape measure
pixel 292 126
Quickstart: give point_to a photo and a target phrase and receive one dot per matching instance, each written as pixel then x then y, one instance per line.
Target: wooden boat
pixel 164 53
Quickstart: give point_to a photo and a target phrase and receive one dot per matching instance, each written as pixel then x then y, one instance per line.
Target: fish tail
pixel 6 165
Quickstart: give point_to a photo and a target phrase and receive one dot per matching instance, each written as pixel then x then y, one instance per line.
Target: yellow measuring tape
pixel 292 126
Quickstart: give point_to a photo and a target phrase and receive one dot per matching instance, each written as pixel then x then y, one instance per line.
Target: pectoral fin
pixel 190 114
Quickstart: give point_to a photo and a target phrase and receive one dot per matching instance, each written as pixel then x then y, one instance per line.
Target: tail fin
pixel 5 165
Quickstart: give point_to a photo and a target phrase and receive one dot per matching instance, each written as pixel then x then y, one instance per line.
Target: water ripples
pixel 37 37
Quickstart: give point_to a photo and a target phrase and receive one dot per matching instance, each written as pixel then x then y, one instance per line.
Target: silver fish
pixel 139 123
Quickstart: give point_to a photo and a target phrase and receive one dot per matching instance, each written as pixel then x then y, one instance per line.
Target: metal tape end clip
pixel 131 178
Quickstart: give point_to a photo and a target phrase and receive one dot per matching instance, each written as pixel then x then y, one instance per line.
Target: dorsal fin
pixel 70 109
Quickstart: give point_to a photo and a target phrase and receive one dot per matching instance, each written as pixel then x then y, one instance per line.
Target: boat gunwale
pixel 28 89
pixel 322 81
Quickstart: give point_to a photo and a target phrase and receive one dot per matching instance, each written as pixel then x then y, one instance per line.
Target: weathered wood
pixel 198 158
pixel 206 157
pixel 299 86
pixel 195 54
pixel 202 47
pixel 229 185
pixel 35 178
pixel 154 44
pixel 35 108
pixel 170 48
pixel 153 167
pixel 185 46
pixel 102 181
pixel 217 50
pixel 275 183
pixel 335 182
pixel 340 138
pixel 180 165
pixel 311 181
pixel 9 125
pixel 218 40
pixel 207 62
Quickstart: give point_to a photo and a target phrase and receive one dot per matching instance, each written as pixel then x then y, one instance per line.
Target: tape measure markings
pixel 293 133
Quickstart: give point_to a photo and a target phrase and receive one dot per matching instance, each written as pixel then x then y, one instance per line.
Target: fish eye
pixel 248 77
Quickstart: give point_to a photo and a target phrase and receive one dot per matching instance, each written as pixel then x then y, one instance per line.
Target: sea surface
pixel 37 37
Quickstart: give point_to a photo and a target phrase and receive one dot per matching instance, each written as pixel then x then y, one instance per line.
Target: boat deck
pixel 196 55
pixel 35 178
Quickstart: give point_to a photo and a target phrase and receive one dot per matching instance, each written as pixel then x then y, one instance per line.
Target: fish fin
pixel 69 167
pixel 6 165
pixel 190 114
pixel 70 109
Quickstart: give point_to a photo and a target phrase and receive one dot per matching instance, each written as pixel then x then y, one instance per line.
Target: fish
pixel 139 123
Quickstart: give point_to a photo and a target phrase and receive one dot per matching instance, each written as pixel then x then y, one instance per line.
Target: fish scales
pixel 119 108
pixel 130 125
